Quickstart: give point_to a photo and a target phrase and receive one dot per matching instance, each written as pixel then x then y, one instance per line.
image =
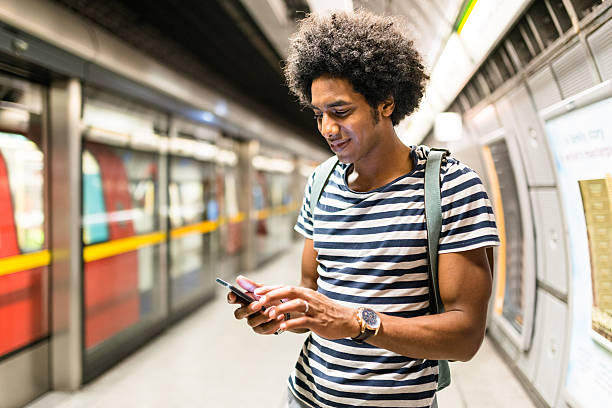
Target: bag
pixel 433 217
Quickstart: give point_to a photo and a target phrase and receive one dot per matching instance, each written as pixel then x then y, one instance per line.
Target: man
pixel 364 257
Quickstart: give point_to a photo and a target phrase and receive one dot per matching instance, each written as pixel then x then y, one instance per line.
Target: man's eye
pixel 342 112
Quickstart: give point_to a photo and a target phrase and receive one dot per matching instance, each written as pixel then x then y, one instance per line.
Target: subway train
pixel 123 193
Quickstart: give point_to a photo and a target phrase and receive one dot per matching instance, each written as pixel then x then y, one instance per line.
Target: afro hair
pixel 368 50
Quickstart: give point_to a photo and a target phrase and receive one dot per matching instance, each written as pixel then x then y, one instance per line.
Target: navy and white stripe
pixel 372 252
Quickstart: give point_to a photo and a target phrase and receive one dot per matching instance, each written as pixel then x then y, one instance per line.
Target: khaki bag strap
pixel 433 218
pixel 322 174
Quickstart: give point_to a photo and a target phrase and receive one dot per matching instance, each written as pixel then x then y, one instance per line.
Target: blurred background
pixel 148 147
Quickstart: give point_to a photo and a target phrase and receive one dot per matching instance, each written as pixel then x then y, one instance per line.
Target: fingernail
pixel 262 300
pixel 283 326
pixel 258 290
pixel 280 317
pixel 272 313
pixel 255 306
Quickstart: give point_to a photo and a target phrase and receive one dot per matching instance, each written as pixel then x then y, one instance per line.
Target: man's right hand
pixel 258 320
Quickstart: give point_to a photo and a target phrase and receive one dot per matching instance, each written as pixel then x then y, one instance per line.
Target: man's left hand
pixel 309 310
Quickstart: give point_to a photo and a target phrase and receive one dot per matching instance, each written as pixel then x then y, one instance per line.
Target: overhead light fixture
pixel 220 108
pixel 448 127
pixel 208 116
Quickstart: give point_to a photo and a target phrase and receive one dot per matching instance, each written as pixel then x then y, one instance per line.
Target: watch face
pixel 370 318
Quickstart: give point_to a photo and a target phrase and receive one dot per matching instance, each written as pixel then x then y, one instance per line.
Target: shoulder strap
pixel 433 218
pixel 322 174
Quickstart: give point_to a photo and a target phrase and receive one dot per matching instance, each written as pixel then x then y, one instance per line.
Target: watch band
pixel 365 334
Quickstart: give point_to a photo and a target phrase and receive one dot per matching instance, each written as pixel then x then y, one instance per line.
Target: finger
pixel 303 322
pixel 292 306
pixel 286 292
pixel 258 319
pixel 265 289
pixel 246 311
pixel 268 328
pixel 247 284
pixel 231 298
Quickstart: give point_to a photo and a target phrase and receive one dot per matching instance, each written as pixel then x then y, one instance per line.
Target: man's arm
pixel 465 288
pixel 309 274
pixel 309 266
pixel 456 334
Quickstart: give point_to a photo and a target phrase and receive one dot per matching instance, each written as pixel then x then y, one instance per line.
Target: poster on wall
pixel 581 143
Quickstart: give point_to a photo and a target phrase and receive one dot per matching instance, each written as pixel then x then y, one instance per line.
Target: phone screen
pixel 243 297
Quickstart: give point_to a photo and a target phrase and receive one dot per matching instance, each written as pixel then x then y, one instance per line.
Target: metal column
pixel 65 195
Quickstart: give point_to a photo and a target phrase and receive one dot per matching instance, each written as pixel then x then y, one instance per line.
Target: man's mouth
pixel 339 145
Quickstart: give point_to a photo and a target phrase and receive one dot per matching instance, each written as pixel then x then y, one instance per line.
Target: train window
pixel 193 212
pixel 141 170
pixel 24 162
pixel 584 7
pixel 95 224
pixel 561 18
pixel 541 21
pixel 24 278
pixel 120 220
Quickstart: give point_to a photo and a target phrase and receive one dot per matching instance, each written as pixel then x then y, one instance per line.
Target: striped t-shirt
pixel 371 250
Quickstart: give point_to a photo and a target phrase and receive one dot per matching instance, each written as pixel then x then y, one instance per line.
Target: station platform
pixel 211 360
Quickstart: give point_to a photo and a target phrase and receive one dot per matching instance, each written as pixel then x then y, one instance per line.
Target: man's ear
pixel 387 107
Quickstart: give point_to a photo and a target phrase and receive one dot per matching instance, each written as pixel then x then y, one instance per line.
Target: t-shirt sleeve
pixel 467 217
pixel 304 223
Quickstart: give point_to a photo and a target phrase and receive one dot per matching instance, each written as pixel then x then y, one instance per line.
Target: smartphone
pixel 243 297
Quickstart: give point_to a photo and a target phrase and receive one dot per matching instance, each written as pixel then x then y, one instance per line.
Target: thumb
pixel 247 284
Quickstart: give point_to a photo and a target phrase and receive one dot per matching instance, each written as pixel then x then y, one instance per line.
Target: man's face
pixel 344 117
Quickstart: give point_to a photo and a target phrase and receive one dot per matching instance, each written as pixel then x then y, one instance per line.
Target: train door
pixel 231 220
pixel 273 204
pixel 194 220
pixel 123 237
pixel 24 255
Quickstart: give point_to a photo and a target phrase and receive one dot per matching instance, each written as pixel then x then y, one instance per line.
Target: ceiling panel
pixel 216 42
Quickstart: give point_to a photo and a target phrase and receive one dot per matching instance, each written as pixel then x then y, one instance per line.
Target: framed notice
pixel 580 135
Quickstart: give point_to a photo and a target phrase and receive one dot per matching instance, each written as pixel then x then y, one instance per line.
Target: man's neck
pixel 390 160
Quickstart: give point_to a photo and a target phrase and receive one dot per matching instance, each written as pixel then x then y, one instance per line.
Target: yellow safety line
pixel 103 250
pixel 501 228
pixel 237 218
pixel 120 246
pixel 199 228
pixel 280 210
pixel 263 214
pixel 234 219
pixel 18 263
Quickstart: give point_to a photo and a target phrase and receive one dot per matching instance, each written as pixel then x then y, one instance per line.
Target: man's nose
pixel 329 127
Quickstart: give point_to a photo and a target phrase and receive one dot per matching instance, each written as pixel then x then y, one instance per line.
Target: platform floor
pixel 211 360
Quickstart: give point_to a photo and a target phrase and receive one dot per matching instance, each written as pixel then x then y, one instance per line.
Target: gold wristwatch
pixel 369 323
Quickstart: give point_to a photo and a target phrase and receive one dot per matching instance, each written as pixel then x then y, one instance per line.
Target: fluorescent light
pixel 448 127
pixel 208 117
